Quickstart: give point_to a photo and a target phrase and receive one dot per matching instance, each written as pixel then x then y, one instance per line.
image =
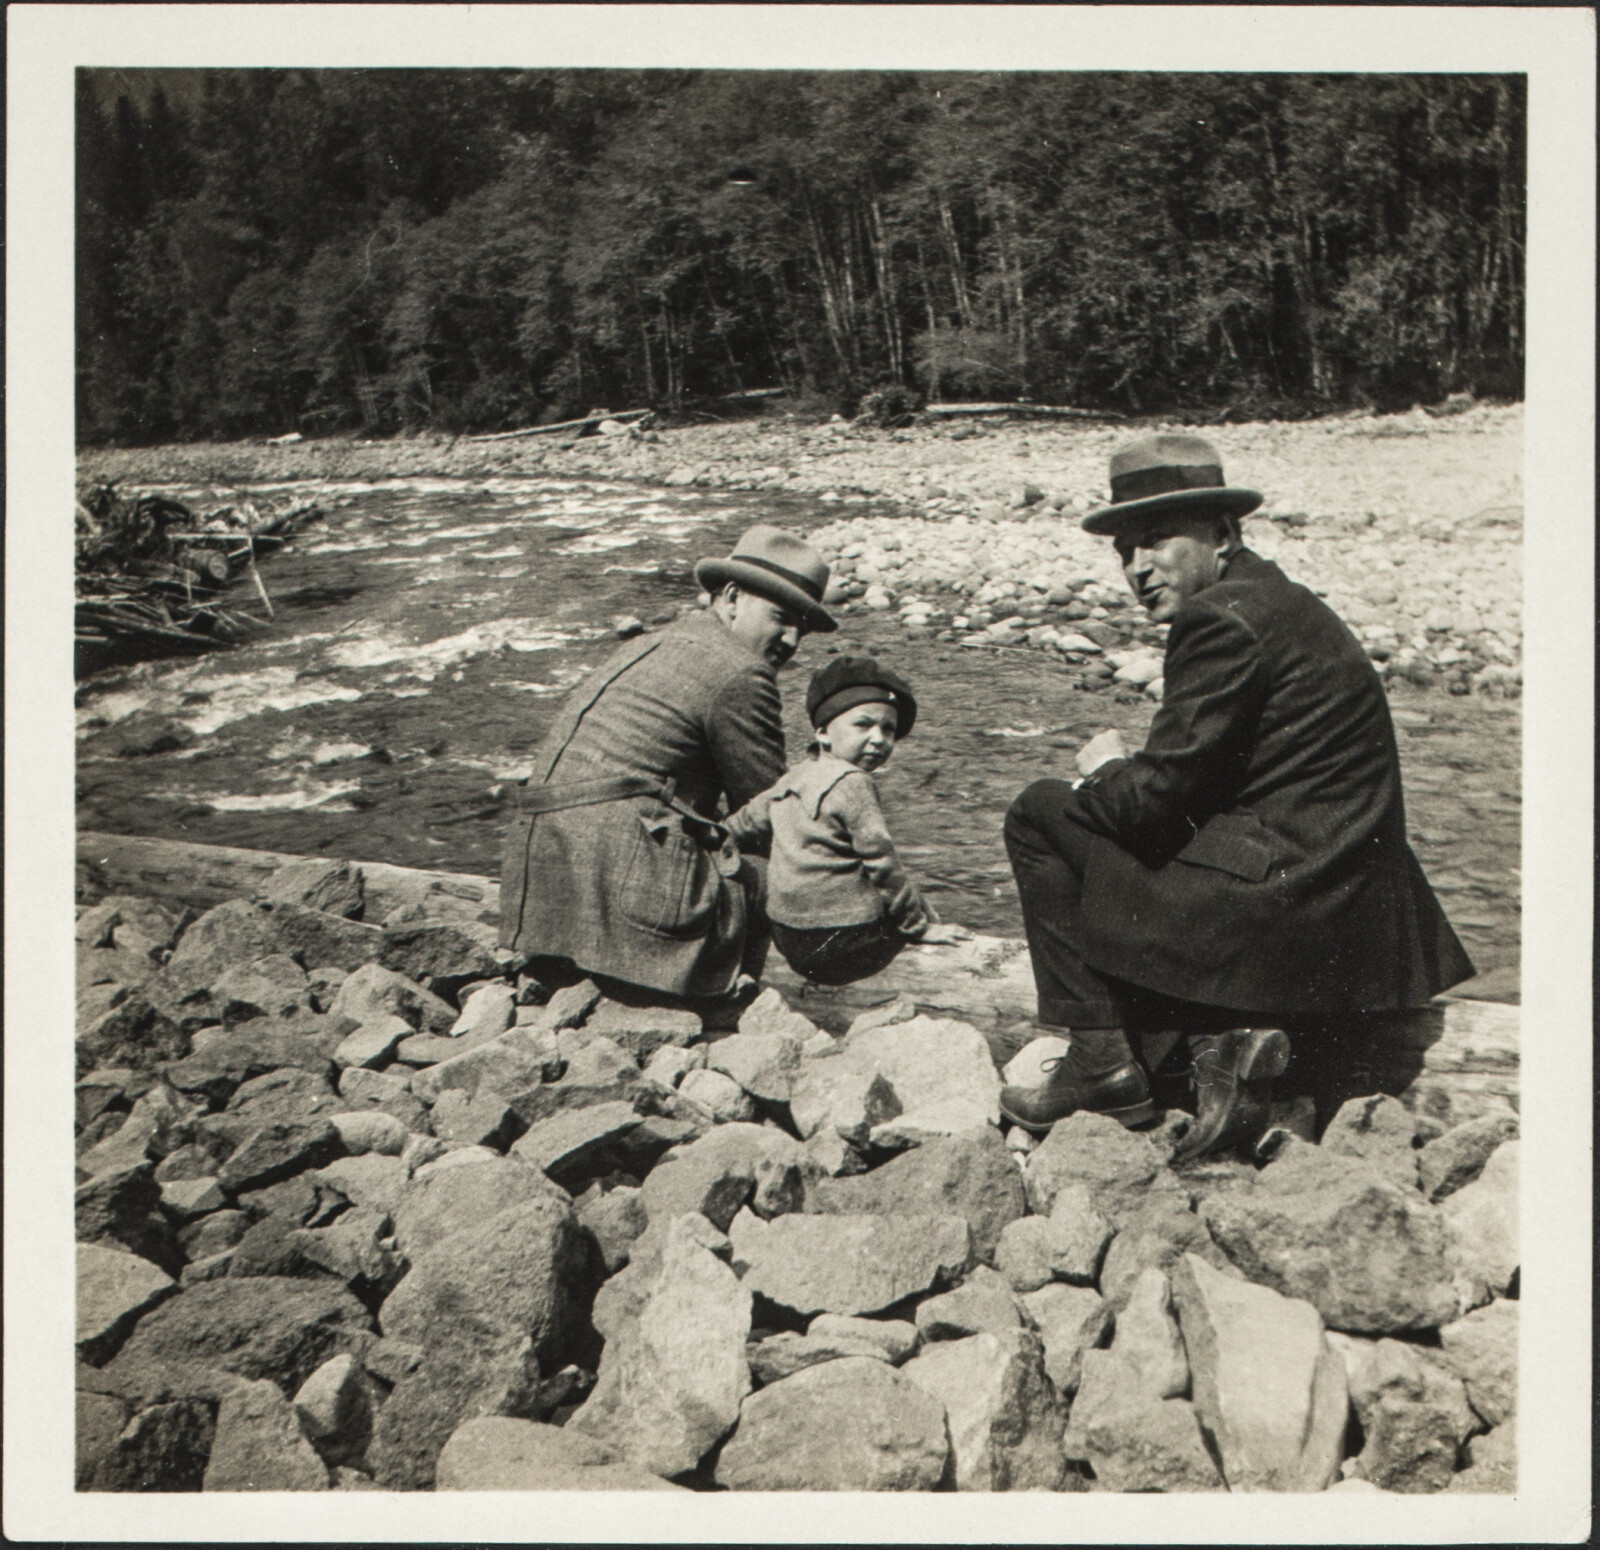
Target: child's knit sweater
pixel 833 863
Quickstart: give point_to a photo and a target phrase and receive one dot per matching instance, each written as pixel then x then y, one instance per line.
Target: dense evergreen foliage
pixel 272 250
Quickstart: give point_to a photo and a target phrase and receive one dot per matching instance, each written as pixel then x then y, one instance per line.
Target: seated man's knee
pixel 1028 818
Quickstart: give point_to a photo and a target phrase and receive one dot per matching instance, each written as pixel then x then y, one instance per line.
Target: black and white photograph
pixel 805 752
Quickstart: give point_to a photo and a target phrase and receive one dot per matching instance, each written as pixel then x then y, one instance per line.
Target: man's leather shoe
pixel 1233 1077
pixel 1122 1094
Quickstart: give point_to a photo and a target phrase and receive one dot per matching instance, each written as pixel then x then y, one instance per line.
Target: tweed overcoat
pixel 1253 854
pixel 632 888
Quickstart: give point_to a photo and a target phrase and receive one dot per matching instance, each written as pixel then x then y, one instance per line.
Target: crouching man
pixel 617 865
pixel 1247 870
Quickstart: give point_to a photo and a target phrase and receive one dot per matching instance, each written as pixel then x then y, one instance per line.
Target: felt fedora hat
pixel 776 565
pixel 1165 473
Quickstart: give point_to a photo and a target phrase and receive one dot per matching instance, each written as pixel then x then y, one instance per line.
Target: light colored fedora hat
pixel 1163 473
pixel 779 566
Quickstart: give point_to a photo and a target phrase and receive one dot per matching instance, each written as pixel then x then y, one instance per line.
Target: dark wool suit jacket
pixel 1253 854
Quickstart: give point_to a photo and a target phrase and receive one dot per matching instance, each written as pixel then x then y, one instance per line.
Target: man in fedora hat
pixel 1246 872
pixel 616 864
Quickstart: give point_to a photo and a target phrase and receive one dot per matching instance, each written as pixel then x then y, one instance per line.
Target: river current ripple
pixel 425 632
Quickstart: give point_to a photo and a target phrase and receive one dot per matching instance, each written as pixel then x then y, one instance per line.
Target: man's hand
pixel 1101 749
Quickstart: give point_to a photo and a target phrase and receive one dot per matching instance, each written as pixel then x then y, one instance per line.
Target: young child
pixel 839 902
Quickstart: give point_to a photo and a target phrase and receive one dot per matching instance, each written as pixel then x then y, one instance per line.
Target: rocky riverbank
pixel 360 1208
pixel 1410 525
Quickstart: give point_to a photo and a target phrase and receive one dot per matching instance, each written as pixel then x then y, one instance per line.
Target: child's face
pixel 862 736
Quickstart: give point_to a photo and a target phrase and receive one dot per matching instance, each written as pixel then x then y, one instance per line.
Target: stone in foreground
pixel 1123 1172
pixel 851 1425
pixel 259 1445
pixel 970 1175
pixel 1070 1321
pixel 498 1453
pixel 1414 1415
pixel 1134 1442
pixel 848 1264
pixel 1481 1350
pixel 670 1384
pixel 1369 1256
pixel 1004 1415
pixel 1267 1386
pixel 114 1289
pixel 1147 1339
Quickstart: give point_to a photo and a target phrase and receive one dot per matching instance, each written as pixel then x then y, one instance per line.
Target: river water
pixel 426 631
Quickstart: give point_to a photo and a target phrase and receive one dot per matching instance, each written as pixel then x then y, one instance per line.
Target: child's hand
pixel 944 936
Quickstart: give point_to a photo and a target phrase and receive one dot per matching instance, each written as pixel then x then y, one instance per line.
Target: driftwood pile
pixel 361 1206
pixel 149 569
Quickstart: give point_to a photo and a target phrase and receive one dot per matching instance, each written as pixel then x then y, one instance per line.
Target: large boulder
pixel 1481 1220
pixel 1413 1411
pixel 115 1288
pixel 669 1388
pixel 894 1337
pixel 500 1453
pixel 273 986
pixel 782 1355
pixel 970 1175
pixel 1156 1238
pixel 373 991
pixel 1135 1442
pixel 1380 1131
pixel 1481 1350
pixel 1147 1341
pixel 567 1145
pixel 506 1064
pixel 769 1013
pixel 641 1031
pixel 339 887
pixel 439 952
pixel 1491 1463
pixel 848 1264
pixel 1457 1157
pixel 1268 1388
pixel 982 1303
pixel 1070 1321
pixel 734 1165
pixel 832 1095
pixel 1369 1256
pixel 936 1066
pixel 763 1064
pixel 461 1373
pixel 1122 1171
pixel 259 1446
pixel 460 1191
pixel 258 1327
pixel 273 1152
pixel 849 1425
pixel 517 1275
pixel 1004 1415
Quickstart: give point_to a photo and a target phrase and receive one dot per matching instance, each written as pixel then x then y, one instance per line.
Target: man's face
pixel 767 628
pixel 1168 559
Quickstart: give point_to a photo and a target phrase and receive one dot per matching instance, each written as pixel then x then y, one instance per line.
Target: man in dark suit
pixel 1247 870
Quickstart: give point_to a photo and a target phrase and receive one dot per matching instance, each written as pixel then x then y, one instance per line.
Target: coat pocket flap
pixel 1235 843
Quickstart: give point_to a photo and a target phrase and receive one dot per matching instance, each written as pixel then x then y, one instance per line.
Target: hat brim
pixel 1221 501
pixel 715 574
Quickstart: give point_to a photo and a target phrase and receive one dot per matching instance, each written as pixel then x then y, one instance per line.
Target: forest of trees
pixel 339 250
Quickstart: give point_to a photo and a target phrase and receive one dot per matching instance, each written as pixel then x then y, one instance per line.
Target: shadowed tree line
pixel 274 250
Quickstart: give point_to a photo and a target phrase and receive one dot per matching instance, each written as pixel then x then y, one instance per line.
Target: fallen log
pixel 1018 411
pixel 627 417
pixel 1453 1059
